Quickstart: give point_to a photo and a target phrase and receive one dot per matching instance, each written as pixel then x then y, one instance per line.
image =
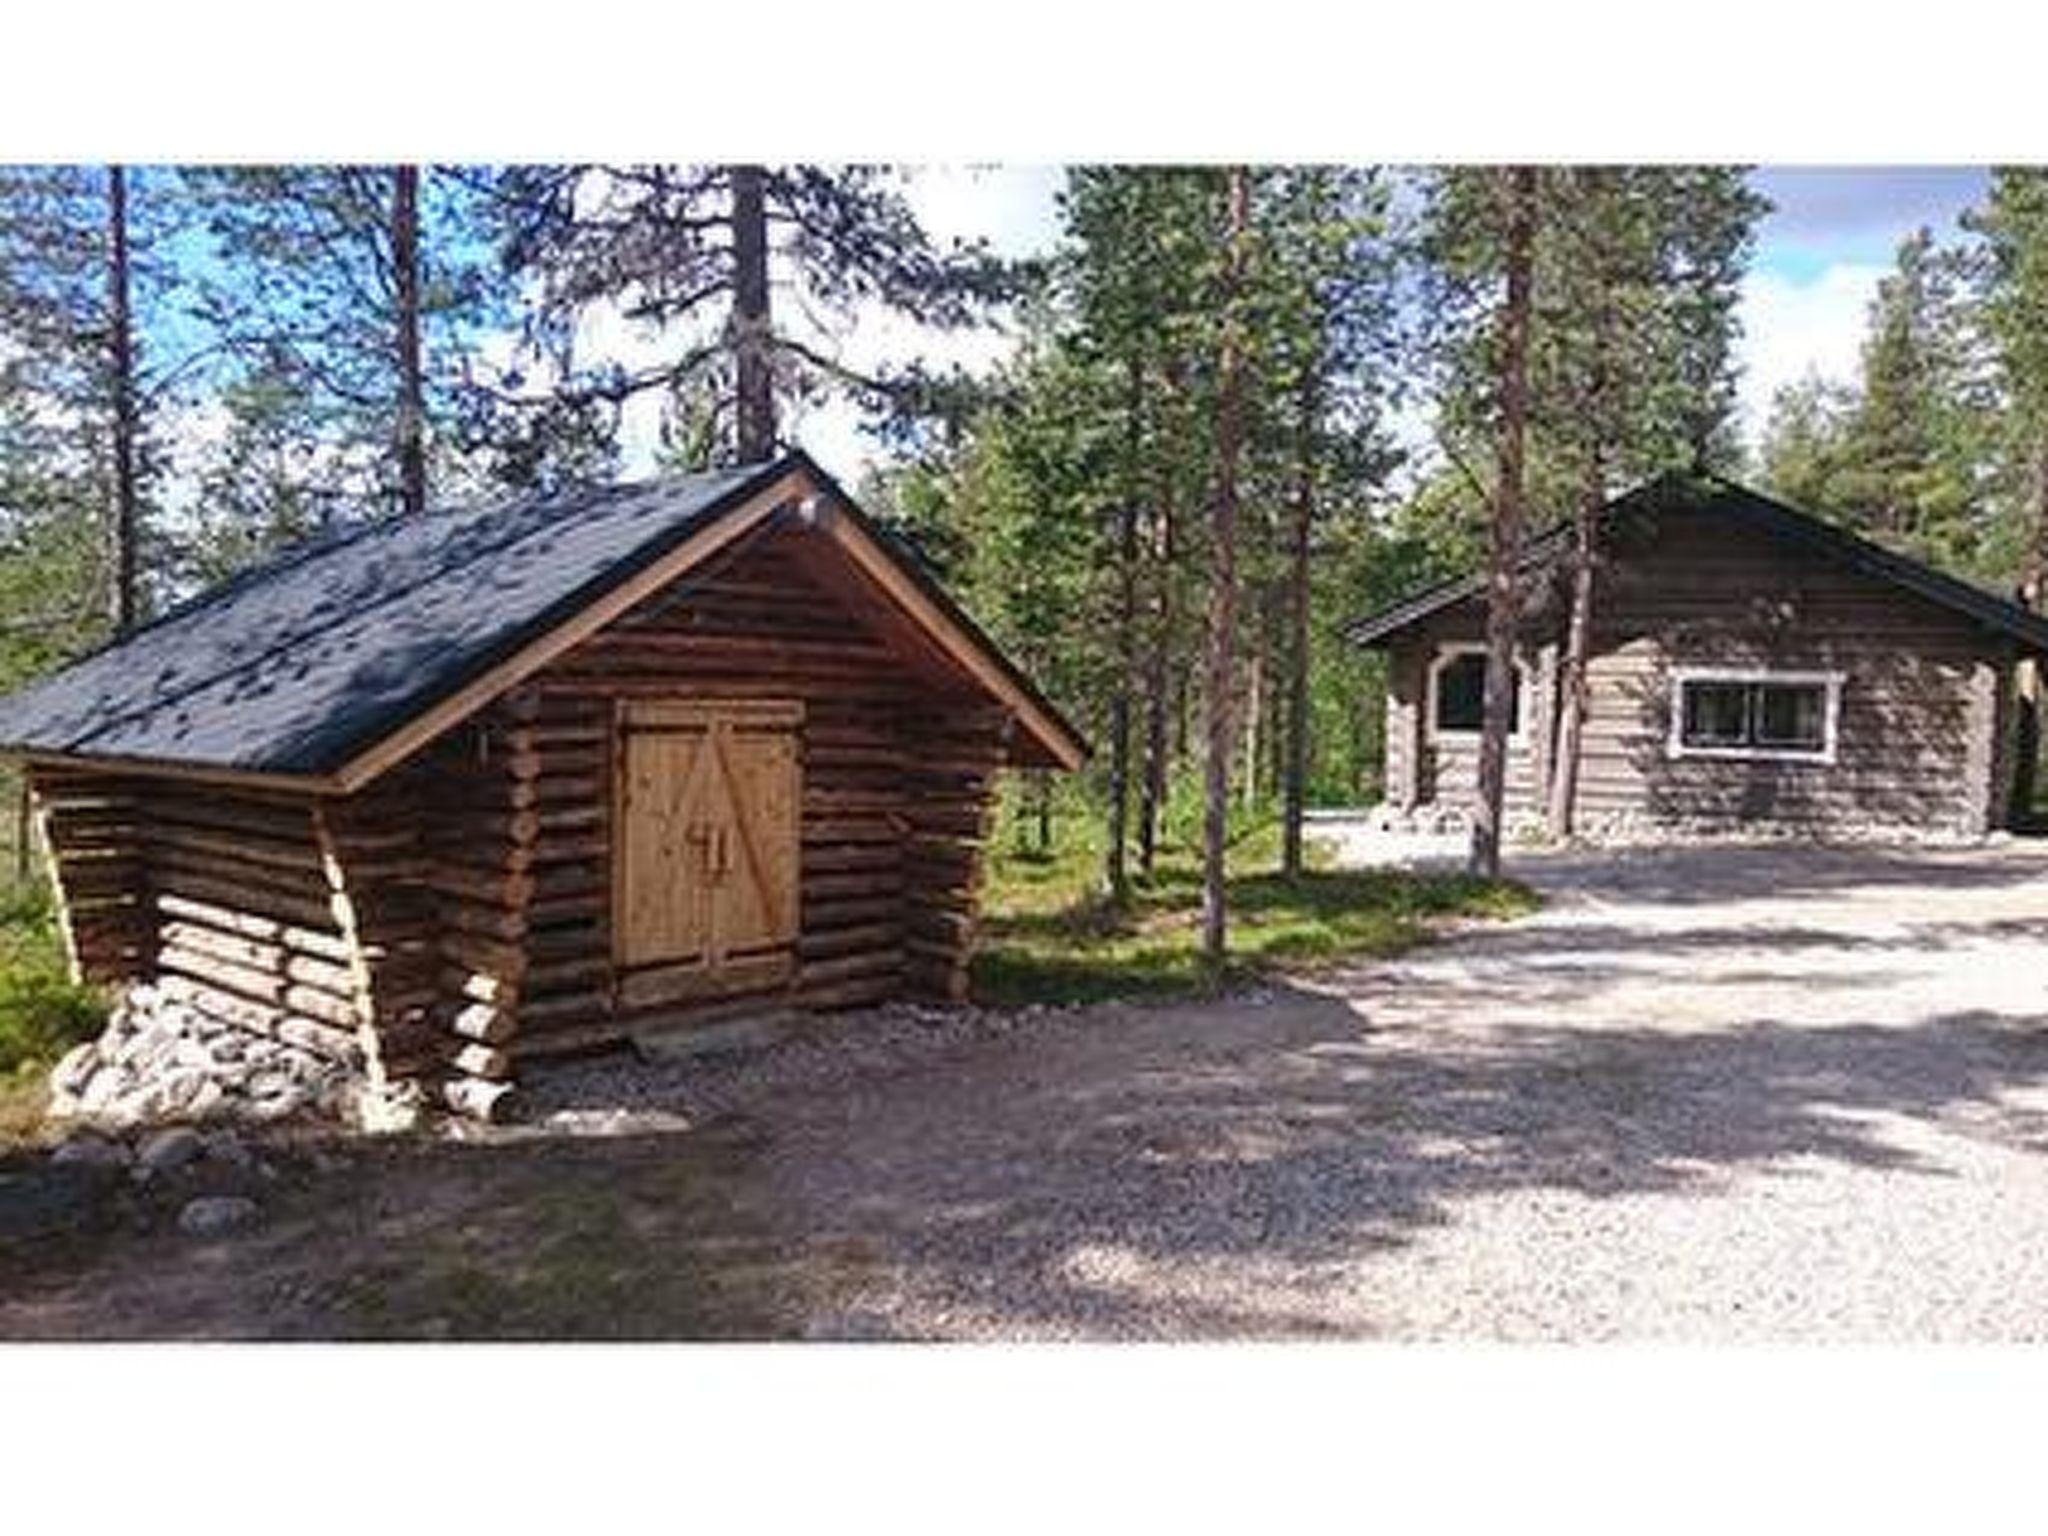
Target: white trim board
pixel 1830 681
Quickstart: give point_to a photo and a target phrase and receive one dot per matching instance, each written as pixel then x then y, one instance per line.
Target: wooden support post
pixel 363 999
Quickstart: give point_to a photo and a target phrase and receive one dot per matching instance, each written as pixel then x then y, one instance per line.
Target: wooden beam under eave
pixel 285 784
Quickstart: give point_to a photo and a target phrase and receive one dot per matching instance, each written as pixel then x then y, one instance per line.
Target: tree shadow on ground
pixel 1316 1144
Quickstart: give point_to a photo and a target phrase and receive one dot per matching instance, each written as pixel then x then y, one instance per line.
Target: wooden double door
pixel 706 848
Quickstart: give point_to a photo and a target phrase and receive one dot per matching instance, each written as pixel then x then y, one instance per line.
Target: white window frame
pixel 1831 714
pixel 1449 652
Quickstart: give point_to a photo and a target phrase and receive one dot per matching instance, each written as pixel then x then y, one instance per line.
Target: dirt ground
pixel 1706 1094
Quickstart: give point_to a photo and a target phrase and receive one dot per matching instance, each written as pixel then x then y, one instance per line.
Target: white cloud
pixel 1791 329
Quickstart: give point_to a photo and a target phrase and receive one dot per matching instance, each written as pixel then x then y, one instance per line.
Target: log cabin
pixel 1750 667
pixel 448 795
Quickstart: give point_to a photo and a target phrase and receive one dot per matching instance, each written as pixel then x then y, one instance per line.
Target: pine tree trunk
pixel 121 368
pixel 1254 711
pixel 1573 694
pixel 1504 555
pixel 1223 585
pixel 754 381
pixel 412 413
pixel 24 831
pixel 1294 776
pixel 1120 704
pixel 1158 682
pixel 1571 722
pixel 2027 681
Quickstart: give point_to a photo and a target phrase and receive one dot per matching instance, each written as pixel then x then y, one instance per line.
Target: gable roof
pixel 323 666
pixel 1695 493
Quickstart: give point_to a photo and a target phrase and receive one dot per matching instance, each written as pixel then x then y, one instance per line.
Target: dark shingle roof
pixel 297 665
pixel 1714 495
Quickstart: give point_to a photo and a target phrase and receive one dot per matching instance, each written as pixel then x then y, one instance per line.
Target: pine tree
pixel 357 298
pixel 689 256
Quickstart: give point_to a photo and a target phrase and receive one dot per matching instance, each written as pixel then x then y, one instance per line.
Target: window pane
pixel 1716 715
pixel 1461 695
pixel 1791 715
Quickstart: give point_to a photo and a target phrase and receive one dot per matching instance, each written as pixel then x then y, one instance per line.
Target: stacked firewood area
pixel 234 910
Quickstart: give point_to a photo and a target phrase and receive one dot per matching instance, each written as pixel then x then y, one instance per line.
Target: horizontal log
pixel 555 941
pixel 324 942
pixel 848 994
pixel 851 829
pixel 822 913
pixel 558 909
pixel 574 972
pixel 539 1012
pixel 485 827
pixel 507 891
pixel 171 866
pixel 463 916
pixel 233 814
pixel 482 955
pixel 491 1022
pixel 835 858
pixel 231 1008
pixel 840 941
pixel 860 883
pixel 568 849
pixel 259 985
pixel 827 973
pixel 594 1035
pixel 260 955
pixel 491 1102
pixel 557 881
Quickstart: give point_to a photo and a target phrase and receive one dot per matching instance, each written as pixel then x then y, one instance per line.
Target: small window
pixel 1459 696
pixel 1756 716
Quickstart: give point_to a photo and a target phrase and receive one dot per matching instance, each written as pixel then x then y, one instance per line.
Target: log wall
pixel 454 918
pixel 898 781
pixel 1924 708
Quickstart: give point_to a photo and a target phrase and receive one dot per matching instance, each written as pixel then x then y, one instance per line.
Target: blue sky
pixel 1819 256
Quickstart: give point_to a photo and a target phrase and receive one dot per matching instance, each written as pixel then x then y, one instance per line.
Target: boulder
pixel 92 1152
pixel 167 1151
pixel 214 1215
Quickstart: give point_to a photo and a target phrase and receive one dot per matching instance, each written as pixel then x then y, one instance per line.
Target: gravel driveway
pixel 1709 1094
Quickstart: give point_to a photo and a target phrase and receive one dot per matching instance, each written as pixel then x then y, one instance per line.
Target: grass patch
pixel 1049 936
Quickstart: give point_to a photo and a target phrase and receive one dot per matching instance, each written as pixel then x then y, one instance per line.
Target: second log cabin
pixel 447 795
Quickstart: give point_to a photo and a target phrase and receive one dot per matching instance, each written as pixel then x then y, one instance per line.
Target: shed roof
pixel 1715 495
pixel 300 667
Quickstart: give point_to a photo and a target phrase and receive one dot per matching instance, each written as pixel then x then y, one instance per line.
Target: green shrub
pixel 42 1011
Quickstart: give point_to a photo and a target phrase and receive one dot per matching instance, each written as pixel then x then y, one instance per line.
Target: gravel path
pixel 1707 1094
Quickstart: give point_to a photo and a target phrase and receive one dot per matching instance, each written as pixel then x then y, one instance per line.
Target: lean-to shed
pixel 448 794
